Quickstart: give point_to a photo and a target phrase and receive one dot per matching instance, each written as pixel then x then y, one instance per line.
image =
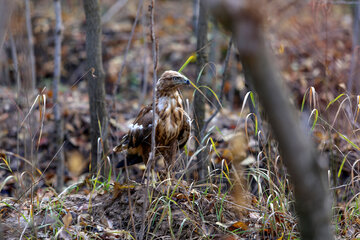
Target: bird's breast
pixel 169 119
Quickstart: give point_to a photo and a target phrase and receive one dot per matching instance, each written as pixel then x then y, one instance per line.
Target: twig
pixel 155 60
pixel 145 59
pixel 129 197
pixel 226 65
pixel 23 232
pixel 127 48
pixel 152 154
pixel 113 10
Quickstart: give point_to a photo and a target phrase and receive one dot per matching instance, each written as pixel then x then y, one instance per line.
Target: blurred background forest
pixel 315 47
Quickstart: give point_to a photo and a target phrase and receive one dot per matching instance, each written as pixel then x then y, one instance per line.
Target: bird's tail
pixel 123 144
pixel 131 159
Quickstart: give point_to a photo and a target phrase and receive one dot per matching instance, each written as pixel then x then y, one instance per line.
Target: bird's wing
pixel 185 130
pixel 140 130
pixel 186 126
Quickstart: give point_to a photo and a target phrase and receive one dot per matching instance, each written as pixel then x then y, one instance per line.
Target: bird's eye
pixel 175 78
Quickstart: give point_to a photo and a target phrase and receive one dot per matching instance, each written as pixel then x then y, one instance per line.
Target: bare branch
pixel 152 154
pixel 113 10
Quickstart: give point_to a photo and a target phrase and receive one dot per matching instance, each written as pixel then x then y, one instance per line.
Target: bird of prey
pixel 172 124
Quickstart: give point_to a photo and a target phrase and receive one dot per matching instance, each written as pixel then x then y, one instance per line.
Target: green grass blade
pixel 316 112
pixel 334 100
pixel 214 147
pixel 3 183
pixel 350 142
pixel 6 162
pixel 192 58
pixel 252 98
pixel 256 125
pixel 202 92
pixel 217 99
pixel 342 165
pixel 303 101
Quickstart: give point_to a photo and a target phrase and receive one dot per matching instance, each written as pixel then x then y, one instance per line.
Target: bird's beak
pixel 187 81
pixel 184 80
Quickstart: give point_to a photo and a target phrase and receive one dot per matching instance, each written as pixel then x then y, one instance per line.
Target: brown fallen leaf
pixel 76 163
pixel 119 188
pixel 239 225
pixel 67 220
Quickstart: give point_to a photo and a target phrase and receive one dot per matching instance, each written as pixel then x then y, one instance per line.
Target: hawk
pixel 172 124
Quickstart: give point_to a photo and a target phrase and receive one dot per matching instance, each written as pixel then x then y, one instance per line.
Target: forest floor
pixel 247 193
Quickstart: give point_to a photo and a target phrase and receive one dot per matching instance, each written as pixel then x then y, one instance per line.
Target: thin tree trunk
pixel 353 83
pixel 144 84
pixel 195 16
pixel 59 135
pixel 306 168
pixel 199 101
pixel 29 86
pixel 15 63
pixel 18 86
pixel 96 85
pixel 31 46
pixel 5 15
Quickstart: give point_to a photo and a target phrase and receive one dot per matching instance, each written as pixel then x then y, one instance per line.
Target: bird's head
pixel 171 80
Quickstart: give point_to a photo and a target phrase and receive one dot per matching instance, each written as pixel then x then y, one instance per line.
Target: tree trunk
pixel 59 135
pixel 199 101
pixel 96 86
pixel 15 63
pixel 5 15
pixel 307 169
pixel 353 82
pixel 31 46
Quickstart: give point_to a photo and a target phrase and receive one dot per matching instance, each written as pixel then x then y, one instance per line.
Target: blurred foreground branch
pixel 306 167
